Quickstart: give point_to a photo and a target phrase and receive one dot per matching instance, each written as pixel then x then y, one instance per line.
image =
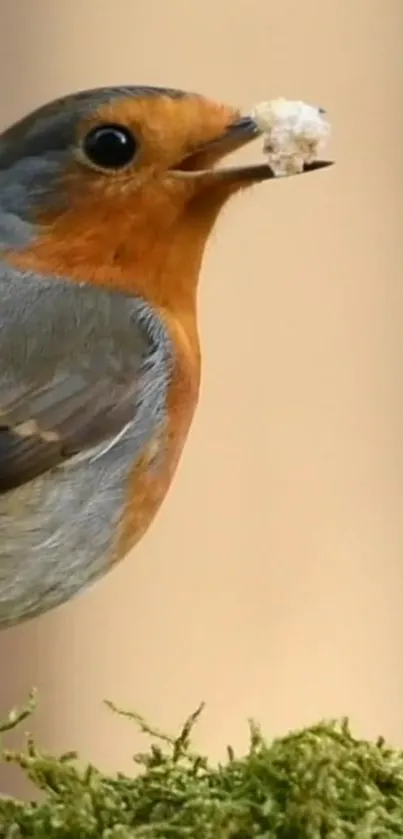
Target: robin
pixel 107 199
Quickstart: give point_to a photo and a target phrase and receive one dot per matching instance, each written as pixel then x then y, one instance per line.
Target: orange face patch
pixel 168 128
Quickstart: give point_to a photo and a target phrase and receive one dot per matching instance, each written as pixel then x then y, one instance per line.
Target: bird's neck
pixel 154 256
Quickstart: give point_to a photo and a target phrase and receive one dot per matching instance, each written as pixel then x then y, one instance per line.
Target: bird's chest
pixel 151 476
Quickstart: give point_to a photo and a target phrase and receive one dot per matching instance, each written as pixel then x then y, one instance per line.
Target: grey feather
pixel 78 362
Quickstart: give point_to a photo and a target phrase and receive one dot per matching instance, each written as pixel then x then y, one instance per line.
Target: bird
pixel 107 200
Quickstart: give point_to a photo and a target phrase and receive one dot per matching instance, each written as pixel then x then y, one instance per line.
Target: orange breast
pixel 148 484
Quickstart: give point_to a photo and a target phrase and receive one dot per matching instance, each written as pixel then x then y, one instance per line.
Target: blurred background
pixel 271 583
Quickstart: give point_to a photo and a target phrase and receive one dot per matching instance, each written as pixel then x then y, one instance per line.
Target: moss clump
pixel 317 783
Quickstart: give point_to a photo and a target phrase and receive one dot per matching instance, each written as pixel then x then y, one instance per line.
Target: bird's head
pixel 111 180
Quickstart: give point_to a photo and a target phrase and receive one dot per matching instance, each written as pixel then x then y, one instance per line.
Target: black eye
pixel 110 146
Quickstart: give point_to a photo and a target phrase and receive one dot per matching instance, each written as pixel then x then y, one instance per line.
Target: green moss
pixel 316 783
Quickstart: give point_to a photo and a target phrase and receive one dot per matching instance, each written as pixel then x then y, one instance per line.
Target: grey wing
pixel 69 414
pixel 60 397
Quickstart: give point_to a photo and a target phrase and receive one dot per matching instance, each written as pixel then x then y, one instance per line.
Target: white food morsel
pixel 293 133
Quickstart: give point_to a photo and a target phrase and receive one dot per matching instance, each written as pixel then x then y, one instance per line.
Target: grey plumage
pixel 79 362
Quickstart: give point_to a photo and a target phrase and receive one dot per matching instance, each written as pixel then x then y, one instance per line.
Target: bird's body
pixel 62 529
pixel 99 347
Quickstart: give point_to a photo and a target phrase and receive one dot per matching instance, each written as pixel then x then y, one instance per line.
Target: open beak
pixel 202 162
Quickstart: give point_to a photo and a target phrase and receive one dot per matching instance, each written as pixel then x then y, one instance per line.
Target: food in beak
pixel 293 134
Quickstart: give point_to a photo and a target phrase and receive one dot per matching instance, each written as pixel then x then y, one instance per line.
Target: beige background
pixel 271 584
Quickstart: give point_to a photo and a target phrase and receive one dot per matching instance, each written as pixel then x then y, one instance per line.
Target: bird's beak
pixel 202 162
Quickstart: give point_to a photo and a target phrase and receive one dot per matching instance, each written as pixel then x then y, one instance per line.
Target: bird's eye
pixel 110 146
